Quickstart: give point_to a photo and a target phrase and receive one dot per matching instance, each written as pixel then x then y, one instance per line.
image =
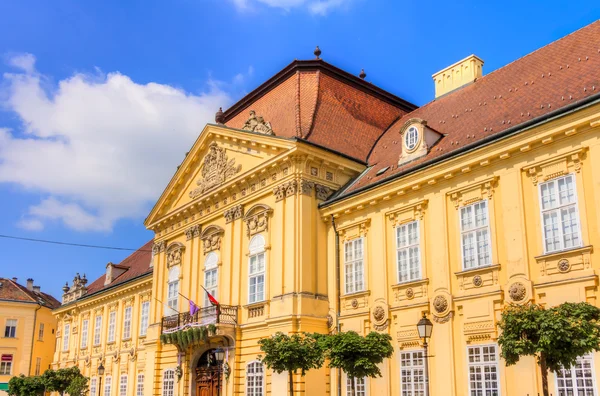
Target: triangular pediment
pixel 218 158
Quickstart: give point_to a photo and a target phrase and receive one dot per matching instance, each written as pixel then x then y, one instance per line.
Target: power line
pixel 71 244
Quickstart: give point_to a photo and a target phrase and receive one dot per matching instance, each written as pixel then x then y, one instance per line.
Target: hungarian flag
pixel 211 298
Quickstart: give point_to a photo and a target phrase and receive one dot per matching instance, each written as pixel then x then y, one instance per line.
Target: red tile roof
pixel 322 104
pixel 137 264
pixel 563 73
pixel 13 291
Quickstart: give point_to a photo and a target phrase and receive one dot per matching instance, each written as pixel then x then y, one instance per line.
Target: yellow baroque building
pixel 28 327
pixel 105 323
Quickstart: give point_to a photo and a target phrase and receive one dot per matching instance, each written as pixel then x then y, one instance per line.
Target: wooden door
pixel 207 382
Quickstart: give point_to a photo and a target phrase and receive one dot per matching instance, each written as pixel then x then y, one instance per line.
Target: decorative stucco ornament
pixel 379 313
pixel 563 265
pixel 256 123
pixel 477 281
pixel 517 291
pixel 354 303
pixel 216 170
pixel 329 321
pixel 410 293
pixel 440 304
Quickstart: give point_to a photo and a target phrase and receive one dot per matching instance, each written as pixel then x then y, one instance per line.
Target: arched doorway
pixel 208 375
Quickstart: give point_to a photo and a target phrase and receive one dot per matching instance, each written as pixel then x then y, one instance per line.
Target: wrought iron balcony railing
pixel 222 314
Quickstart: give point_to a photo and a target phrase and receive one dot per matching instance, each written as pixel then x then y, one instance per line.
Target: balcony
pixel 221 315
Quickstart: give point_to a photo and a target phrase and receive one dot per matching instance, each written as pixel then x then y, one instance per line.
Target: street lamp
pixel 219 357
pixel 425 327
pixel 100 374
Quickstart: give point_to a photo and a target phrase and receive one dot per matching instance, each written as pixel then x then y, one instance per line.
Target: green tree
pixel 291 353
pixel 78 386
pixel 555 336
pixel 25 386
pixel 65 380
pixel 358 356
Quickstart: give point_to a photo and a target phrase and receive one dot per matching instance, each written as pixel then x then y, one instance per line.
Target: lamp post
pixel 425 327
pixel 219 356
pixel 100 374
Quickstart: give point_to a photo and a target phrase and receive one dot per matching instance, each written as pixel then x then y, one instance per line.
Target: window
pixel 173 289
pixel 255 379
pixel 210 276
pixel 66 333
pixel 93 386
pixel 144 318
pixel 84 333
pixel 475 235
pixel 112 323
pixel 411 138
pixel 483 371
pixel 354 265
pixel 127 324
pixel 123 385
pixel 140 385
pixel 560 217
pixel 97 330
pixel 360 386
pixel 107 385
pixel 412 373
pixel 41 332
pixel 169 383
pixel 6 365
pixel 256 271
pixel 38 365
pixel 577 380
pixel 409 254
pixel 10 331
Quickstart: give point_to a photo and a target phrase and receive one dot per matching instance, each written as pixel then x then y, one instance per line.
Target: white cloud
pixel 99 148
pixel 316 7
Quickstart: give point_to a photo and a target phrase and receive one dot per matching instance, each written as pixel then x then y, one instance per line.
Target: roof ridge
pixel 316 107
pixel 20 288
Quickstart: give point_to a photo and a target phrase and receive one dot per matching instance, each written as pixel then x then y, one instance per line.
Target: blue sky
pixel 100 100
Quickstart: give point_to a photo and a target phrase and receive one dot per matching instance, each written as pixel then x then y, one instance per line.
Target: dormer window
pixel 411 138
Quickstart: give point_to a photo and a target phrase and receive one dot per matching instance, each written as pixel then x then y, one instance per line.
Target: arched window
pixel 168 382
pixel 211 276
pixel 255 379
pixel 173 289
pixel 256 270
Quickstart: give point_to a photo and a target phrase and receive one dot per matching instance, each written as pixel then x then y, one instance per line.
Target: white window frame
pixel 258 276
pixel 85 325
pixel 66 337
pixel 357 385
pixel 411 250
pixel 559 211
pixel 211 276
pixel 168 388
pixel 38 365
pixel 253 388
pixel 6 367
pixel 482 364
pixel 571 374
pixel 127 323
pixel 144 318
pixel 112 326
pixel 414 370
pixel 10 328
pixel 41 332
pixel 97 330
pixel 123 385
pixel 93 386
pixel 474 232
pixel 354 266
pixel 173 289
pixel 139 390
pixel 411 136
pixel 107 386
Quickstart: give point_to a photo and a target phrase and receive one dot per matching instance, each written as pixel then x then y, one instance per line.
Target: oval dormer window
pixel 411 138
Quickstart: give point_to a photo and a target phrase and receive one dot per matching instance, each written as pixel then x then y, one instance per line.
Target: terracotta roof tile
pixel 13 291
pixel 551 78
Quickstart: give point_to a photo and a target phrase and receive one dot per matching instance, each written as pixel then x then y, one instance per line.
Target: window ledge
pixel 255 304
pixel 357 294
pixel 575 250
pixel 476 270
pixel 411 283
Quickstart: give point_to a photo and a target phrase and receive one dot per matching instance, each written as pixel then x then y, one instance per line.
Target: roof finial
pixel 317 52
pixel 219 116
pixel 362 74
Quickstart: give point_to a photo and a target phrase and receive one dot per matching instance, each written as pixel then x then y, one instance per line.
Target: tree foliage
pixel 69 380
pixel 556 336
pixel 291 353
pixel 25 386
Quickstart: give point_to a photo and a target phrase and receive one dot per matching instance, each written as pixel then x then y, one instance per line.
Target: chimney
pixel 14 279
pixel 29 284
pixel 457 75
pixel 37 289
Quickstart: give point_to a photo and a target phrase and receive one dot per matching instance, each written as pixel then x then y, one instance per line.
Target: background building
pixel 106 323
pixel 28 328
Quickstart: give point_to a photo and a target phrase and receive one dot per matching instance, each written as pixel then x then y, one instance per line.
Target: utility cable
pixel 71 244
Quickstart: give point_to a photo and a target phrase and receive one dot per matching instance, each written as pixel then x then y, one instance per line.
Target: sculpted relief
pixel 257 124
pixel 216 170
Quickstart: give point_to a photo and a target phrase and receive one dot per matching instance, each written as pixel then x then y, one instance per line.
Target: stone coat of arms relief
pixel 216 170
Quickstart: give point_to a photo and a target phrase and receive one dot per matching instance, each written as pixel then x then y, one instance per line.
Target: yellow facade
pixel 30 345
pixel 86 336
